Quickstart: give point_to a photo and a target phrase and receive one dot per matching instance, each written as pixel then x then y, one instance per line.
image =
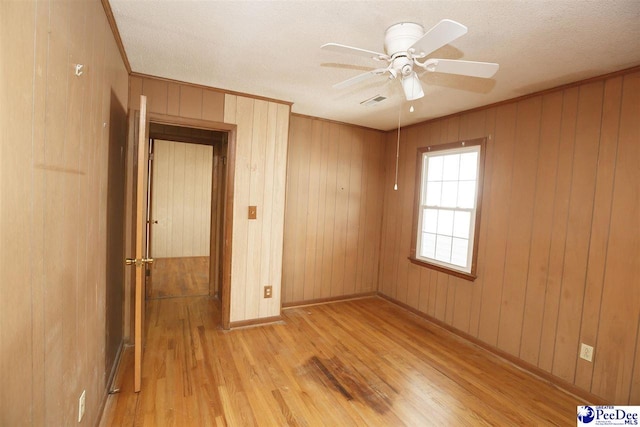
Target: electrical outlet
pixel 268 291
pixel 81 405
pixel 586 352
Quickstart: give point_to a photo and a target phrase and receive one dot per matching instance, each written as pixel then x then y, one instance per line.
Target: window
pixel 447 207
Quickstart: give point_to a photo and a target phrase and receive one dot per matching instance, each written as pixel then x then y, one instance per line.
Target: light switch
pixel 253 212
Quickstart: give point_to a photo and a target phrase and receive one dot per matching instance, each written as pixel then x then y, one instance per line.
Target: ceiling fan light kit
pixel 412 87
pixel 407 46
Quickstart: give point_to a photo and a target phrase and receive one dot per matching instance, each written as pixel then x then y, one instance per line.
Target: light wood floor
pixel 179 277
pixel 361 362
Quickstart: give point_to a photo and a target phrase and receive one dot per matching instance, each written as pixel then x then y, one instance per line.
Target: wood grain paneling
pixel 523 189
pixel 259 180
pixel 176 99
pixel 615 373
pixel 601 220
pixel 585 158
pixel 559 246
pixel 498 213
pixel 541 228
pixel 54 187
pixel 181 199
pixel 333 210
pixel 562 190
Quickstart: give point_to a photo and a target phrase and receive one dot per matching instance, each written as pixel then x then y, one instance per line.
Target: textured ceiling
pixel 272 49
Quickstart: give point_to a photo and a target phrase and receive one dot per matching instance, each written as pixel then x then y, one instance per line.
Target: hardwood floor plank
pixel 361 362
pixel 179 277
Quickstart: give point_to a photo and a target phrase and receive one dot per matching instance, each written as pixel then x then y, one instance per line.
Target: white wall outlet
pixel 81 405
pixel 586 352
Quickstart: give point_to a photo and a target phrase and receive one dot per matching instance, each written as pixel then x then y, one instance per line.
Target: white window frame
pixel 469 270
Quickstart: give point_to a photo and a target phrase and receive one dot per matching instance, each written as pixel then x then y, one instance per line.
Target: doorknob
pixel 138 262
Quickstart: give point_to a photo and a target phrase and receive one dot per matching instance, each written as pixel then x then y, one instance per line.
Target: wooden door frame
pixel 230 129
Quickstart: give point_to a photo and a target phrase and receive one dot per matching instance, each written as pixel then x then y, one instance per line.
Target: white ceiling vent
pixel 373 100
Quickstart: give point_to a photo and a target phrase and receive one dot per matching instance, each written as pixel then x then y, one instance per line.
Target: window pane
pixel 443 248
pixel 445 222
pixel 466 194
pixel 459 252
pixel 434 171
pixel 429 220
pixel 428 245
pixel 447 202
pixel 451 167
pixel 461 221
pixel 449 197
pixel 468 166
pixel 433 193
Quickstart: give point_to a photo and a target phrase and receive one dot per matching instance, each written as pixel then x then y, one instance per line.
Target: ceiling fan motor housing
pixel 400 37
pixel 402 65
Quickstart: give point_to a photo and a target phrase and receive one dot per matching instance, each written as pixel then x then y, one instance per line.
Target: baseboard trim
pixel 112 378
pixel 328 300
pixel 566 386
pixel 255 322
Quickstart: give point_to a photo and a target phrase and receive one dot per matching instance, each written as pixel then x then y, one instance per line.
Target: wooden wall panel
pixel 53 207
pixel 191 102
pixel 181 199
pixel 615 362
pixel 406 178
pixel 479 284
pixel 17 311
pixel 585 159
pixel 177 99
pixel 241 200
pixel 559 259
pixel 498 212
pixel 313 205
pixel 473 126
pixel 212 105
pixel 333 210
pixel 260 170
pixel 328 224
pixel 281 140
pixel 523 189
pixel 386 284
pixel 559 228
pixel 600 228
pixel 541 228
pixel 374 202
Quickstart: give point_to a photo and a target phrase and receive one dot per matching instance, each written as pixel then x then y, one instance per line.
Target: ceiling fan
pixel 406 47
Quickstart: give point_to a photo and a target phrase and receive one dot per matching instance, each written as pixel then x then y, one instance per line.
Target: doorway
pixel 186 196
pixel 143 128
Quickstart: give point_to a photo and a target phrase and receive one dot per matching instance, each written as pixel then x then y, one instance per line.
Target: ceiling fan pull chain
pixel 395 186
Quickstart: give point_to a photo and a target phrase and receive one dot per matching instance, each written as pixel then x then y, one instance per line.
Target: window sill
pixel 462 275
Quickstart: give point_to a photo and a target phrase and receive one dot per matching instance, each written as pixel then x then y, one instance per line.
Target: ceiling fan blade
pixel 465 68
pixel 359 78
pixel 412 87
pixel 335 47
pixel 444 32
